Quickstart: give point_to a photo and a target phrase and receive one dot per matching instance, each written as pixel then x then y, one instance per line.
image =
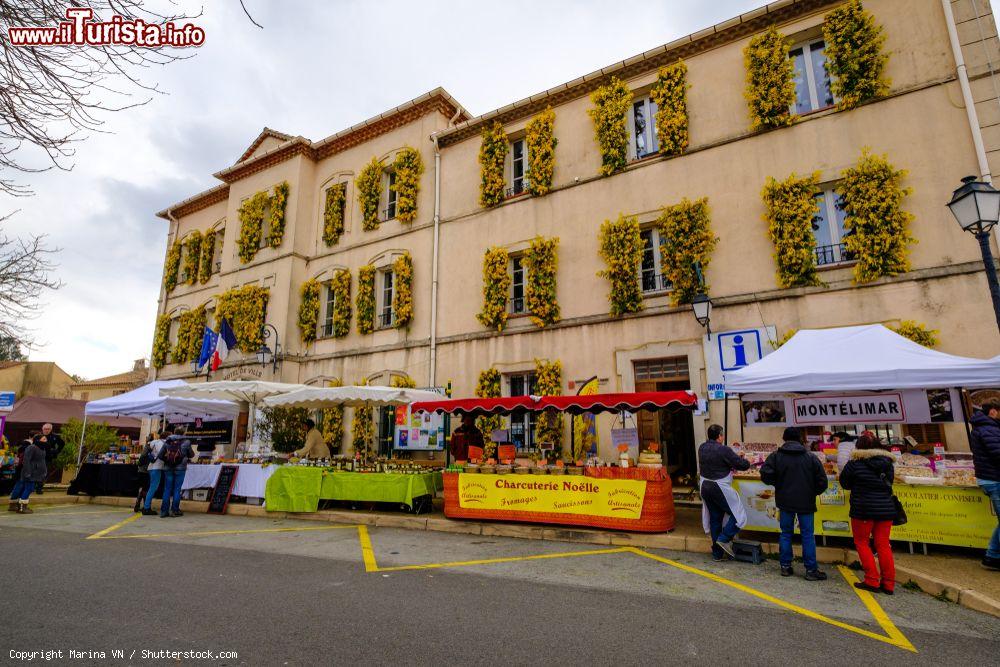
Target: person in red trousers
pixel 868 476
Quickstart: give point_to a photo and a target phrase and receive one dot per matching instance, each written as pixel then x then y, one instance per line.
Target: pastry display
pixel 650 460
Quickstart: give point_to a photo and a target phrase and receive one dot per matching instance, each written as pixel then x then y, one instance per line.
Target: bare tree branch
pixel 53 96
pixel 248 15
pixel 25 274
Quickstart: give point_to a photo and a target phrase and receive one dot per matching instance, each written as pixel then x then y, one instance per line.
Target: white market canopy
pixel 865 358
pixel 249 391
pixel 146 401
pixel 327 397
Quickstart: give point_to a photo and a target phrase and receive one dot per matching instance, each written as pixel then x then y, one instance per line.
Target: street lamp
pixel 264 354
pixel 976 207
pixel 701 306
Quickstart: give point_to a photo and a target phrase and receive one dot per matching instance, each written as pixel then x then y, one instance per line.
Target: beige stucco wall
pixel 922 128
pixel 36 378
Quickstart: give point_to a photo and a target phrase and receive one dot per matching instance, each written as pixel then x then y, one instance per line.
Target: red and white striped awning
pixel 594 403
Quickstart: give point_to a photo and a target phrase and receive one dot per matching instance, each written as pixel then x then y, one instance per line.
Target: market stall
pixel 117 473
pixel 245 392
pixel 299 487
pixel 621 495
pixel 870 377
pixel 294 488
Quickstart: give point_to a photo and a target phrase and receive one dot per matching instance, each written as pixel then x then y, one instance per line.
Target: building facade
pixel 432 318
pixel 112 385
pixel 35 378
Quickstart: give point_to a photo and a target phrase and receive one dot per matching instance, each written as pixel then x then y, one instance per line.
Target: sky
pixel 315 68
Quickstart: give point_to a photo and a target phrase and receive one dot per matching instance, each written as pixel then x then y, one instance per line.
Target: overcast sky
pixel 317 67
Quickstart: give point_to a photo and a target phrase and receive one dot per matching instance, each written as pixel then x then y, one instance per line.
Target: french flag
pixel 225 342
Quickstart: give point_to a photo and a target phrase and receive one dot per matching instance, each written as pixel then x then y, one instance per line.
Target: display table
pixel 300 488
pixel 106 479
pixel 953 515
pixel 251 480
pixel 632 499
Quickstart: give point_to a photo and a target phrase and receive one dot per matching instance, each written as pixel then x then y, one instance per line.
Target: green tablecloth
pixel 293 489
pixel 300 488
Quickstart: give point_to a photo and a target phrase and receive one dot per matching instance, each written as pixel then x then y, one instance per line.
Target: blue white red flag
pixel 226 341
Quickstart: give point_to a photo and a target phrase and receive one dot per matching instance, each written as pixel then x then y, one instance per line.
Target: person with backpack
pixel 33 470
pixel 175 454
pixel 797 477
pixel 155 470
pixel 868 476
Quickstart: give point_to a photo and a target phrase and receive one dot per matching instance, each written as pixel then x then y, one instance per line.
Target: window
pixel 265 227
pixel 651 277
pixel 522 427
pixel 517 286
pixel 812 81
pixel 642 119
pixel 220 235
pixel 518 168
pixel 175 326
pixel 326 326
pixel 383 290
pixel 389 212
pixel 828 228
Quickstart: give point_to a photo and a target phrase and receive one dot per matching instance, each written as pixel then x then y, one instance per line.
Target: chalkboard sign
pixel 223 489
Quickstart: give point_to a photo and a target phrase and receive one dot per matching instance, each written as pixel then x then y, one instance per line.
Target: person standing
pixel 716 461
pixel 155 470
pixel 15 493
pixel 985 446
pixel 797 477
pixel 465 436
pixel 868 476
pixel 145 459
pixel 315 447
pixel 175 454
pixel 33 470
pixel 52 444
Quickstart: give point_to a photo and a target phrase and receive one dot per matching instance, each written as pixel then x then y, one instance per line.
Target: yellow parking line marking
pixel 367 554
pixel 113 528
pixel 485 561
pixel 219 532
pixel 50 507
pixel 876 610
pixel 898 641
pixel 72 513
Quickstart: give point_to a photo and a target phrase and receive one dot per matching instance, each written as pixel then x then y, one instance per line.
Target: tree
pixel 25 267
pixel 282 426
pixel 98 439
pixel 53 96
pixel 10 349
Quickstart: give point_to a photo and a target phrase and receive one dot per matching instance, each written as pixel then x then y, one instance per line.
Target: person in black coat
pixel 985 446
pixel 32 470
pixel 868 476
pixel 797 477
pixel 52 444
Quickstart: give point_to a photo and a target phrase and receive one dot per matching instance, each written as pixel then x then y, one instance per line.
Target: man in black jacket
pixel 716 462
pixel 51 444
pixel 797 477
pixel 985 446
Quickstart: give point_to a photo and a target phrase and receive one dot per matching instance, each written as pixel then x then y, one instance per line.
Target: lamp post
pixel 264 354
pixel 976 207
pixel 701 306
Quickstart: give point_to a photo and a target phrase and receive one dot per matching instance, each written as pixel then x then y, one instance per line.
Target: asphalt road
pixel 300 594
